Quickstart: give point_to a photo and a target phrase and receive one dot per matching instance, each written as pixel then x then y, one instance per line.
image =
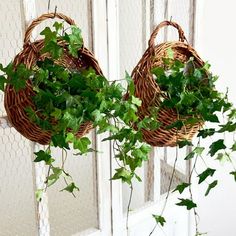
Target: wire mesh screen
pixel 17 203
pixel 10 35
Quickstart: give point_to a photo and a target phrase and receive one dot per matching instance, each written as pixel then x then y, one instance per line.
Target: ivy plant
pixel 66 98
pixel 191 92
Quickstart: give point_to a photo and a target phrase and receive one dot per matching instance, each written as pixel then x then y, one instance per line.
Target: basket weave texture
pixel 149 92
pixel 16 102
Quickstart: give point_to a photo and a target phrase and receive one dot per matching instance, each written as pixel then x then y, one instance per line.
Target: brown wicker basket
pixel 149 92
pixel 16 102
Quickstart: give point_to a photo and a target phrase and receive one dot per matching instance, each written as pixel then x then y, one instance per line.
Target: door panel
pixel 68 214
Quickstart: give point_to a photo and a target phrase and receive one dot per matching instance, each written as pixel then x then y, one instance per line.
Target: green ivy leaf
pixel 233 148
pixel 58 26
pixel 177 124
pixel 49 35
pixel 3 81
pixel 58 140
pixel 123 174
pixel 82 144
pixel 184 143
pixel 190 156
pixel 75 40
pixel 170 53
pixel 159 219
pixel 208 172
pixel 39 194
pixel 130 82
pixel 223 157
pixel 70 137
pixel 54 49
pixel 234 174
pixel 230 127
pixel 70 188
pixel 206 132
pixel 43 156
pixel 186 202
pixel 216 146
pixel 158 71
pixel 181 187
pixel 211 186
pixel 199 150
pixel 57 172
pixel 136 101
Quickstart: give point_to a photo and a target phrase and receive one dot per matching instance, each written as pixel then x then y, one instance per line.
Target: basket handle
pixel 182 38
pixel 42 18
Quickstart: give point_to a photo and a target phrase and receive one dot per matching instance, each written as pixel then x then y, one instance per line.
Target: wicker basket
pixel 149 92
pixel 16 102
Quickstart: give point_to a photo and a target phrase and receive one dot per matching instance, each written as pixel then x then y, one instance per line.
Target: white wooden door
pixel 117 32
pixel 58 213
pixel 136 19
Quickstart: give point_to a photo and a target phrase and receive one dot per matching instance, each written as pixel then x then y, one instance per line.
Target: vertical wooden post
pixel 38 169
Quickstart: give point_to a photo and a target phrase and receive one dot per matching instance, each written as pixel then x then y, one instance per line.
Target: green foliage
pixel 70 188
pixel 216 146
pixel 43 156
pixel 181 187
pixel 206 173
pixel 39 194
pixel 234 174
pixel 159 219
pixel 211 186
pixel 189 204
pixel 66 98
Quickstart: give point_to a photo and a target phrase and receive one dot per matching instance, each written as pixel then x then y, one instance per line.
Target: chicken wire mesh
pixel 10 35
pixel 17 205
pixel 19 212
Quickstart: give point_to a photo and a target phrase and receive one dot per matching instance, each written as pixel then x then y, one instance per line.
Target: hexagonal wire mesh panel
pixel 17 205
pixel 10 35
pixel 81 212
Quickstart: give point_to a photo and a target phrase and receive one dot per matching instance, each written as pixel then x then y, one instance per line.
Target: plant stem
pixel 128 207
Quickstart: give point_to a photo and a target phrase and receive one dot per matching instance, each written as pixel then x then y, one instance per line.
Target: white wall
pixel 216 43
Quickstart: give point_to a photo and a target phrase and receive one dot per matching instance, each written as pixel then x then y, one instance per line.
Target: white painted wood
pixel 38 172
pixel 99 16
pixel 114 72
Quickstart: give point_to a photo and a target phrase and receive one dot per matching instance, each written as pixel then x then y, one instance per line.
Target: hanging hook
pixel 55 11
pixel 49 3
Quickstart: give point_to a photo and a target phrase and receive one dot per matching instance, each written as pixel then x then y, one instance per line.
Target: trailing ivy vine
pixel 191 92
pixel 66 98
